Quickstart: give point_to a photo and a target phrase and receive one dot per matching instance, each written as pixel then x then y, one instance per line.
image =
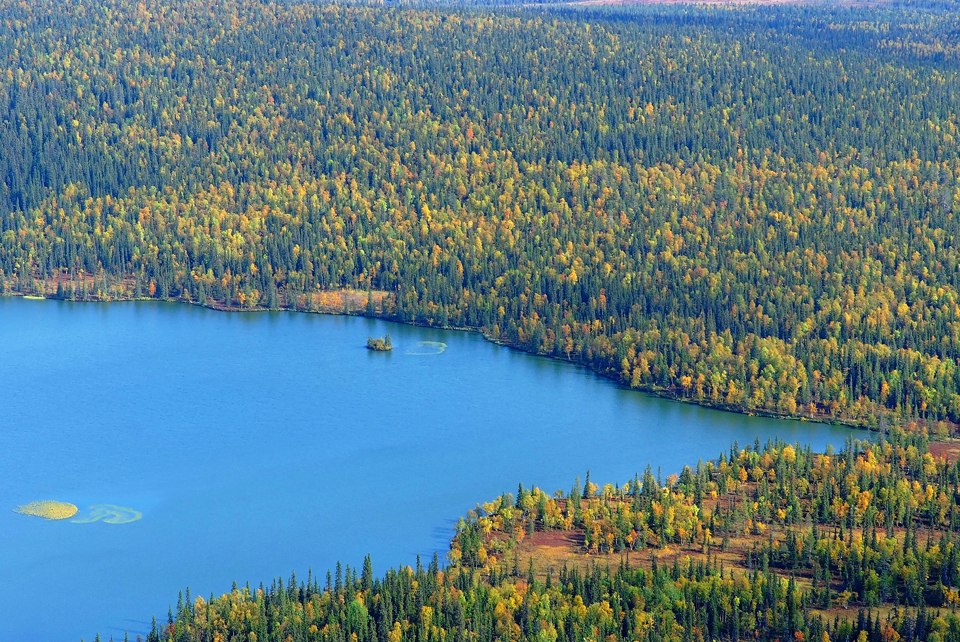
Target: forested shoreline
pixel 750 208
pixel 767 542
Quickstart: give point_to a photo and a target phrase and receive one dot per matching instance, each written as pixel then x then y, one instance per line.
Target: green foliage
pixel 380 344
pixel 749 208
pixel 875 524
pixel 885 497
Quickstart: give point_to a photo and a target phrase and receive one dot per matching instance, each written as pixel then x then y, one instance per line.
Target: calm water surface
pixel 258 444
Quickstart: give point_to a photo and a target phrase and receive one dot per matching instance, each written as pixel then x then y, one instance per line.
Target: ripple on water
pixel 53 510
pixel 109 513
pixel 428 348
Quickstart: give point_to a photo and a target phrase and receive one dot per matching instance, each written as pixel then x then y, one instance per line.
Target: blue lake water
pixel 257 444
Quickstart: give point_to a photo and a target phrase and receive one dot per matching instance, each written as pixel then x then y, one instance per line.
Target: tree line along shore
pixel 752 208
pixel 767 542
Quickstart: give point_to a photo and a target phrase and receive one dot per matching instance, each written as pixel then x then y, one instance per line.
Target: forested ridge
pixel 769 542
pixel 750 208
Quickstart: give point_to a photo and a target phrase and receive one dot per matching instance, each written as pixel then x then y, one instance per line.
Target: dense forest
pixel 769 542
pixel 753 208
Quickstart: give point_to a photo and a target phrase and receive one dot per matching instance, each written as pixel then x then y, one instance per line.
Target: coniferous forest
pixel 753 208
pixel 769 542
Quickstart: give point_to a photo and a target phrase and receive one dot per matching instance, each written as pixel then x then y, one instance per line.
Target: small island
pixel 381 344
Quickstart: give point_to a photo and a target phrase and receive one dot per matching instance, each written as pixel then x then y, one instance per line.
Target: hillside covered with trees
pixel 770 542
pixel 752 208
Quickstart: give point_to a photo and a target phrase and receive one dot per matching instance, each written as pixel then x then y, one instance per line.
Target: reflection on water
pixel 257 444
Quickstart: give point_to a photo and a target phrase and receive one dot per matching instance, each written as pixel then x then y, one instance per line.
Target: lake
pixel 242 446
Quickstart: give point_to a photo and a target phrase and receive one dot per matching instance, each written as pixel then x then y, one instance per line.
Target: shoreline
pixel 654 392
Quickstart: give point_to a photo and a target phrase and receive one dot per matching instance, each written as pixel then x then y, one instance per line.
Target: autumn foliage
pixel 751 208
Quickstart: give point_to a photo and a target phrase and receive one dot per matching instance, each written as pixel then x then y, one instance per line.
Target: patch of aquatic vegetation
pixel 429 347
pixel 48 510
pixel 110 514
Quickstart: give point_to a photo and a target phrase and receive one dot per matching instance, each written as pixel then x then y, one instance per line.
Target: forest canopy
pixel 768 542
pixel 753 208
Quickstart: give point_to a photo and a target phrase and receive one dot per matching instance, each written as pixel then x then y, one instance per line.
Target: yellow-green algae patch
pixel 48 509
pixel 110 514
pixel 429 348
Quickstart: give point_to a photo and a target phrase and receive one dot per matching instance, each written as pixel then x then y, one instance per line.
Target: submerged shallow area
pixel 204 447
pixel 47 509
